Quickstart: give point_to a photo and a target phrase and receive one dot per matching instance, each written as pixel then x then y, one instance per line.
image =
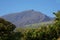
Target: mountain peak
pixel 32 10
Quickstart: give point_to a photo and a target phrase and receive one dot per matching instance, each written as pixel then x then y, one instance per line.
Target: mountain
pixel 26 17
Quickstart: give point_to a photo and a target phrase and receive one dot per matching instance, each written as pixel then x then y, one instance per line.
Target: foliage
pixel 7 31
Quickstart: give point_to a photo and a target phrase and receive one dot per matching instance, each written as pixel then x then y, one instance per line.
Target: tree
pixel 57 23
pixel 7 31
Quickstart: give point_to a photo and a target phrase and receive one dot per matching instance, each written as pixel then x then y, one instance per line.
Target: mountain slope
pixel 36 25
pixel 26 18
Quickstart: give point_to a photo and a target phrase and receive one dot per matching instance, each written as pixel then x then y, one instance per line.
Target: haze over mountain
pixel 26 17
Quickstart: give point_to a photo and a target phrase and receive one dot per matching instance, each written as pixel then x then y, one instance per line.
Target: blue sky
pixel 45 6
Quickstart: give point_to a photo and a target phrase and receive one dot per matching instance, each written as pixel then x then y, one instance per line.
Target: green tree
pixel 7 31
pixel 57 23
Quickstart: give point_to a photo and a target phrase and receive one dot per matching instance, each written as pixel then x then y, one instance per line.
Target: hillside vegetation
pixel 49 32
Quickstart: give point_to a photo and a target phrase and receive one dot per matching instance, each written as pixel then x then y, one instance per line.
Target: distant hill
pixel 26 17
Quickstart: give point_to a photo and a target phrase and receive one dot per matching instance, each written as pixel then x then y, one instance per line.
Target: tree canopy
pixel 7 31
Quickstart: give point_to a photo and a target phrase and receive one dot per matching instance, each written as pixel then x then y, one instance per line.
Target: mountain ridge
pixel 26 17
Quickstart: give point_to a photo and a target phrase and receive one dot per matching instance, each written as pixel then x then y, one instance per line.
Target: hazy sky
pixel 45 6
